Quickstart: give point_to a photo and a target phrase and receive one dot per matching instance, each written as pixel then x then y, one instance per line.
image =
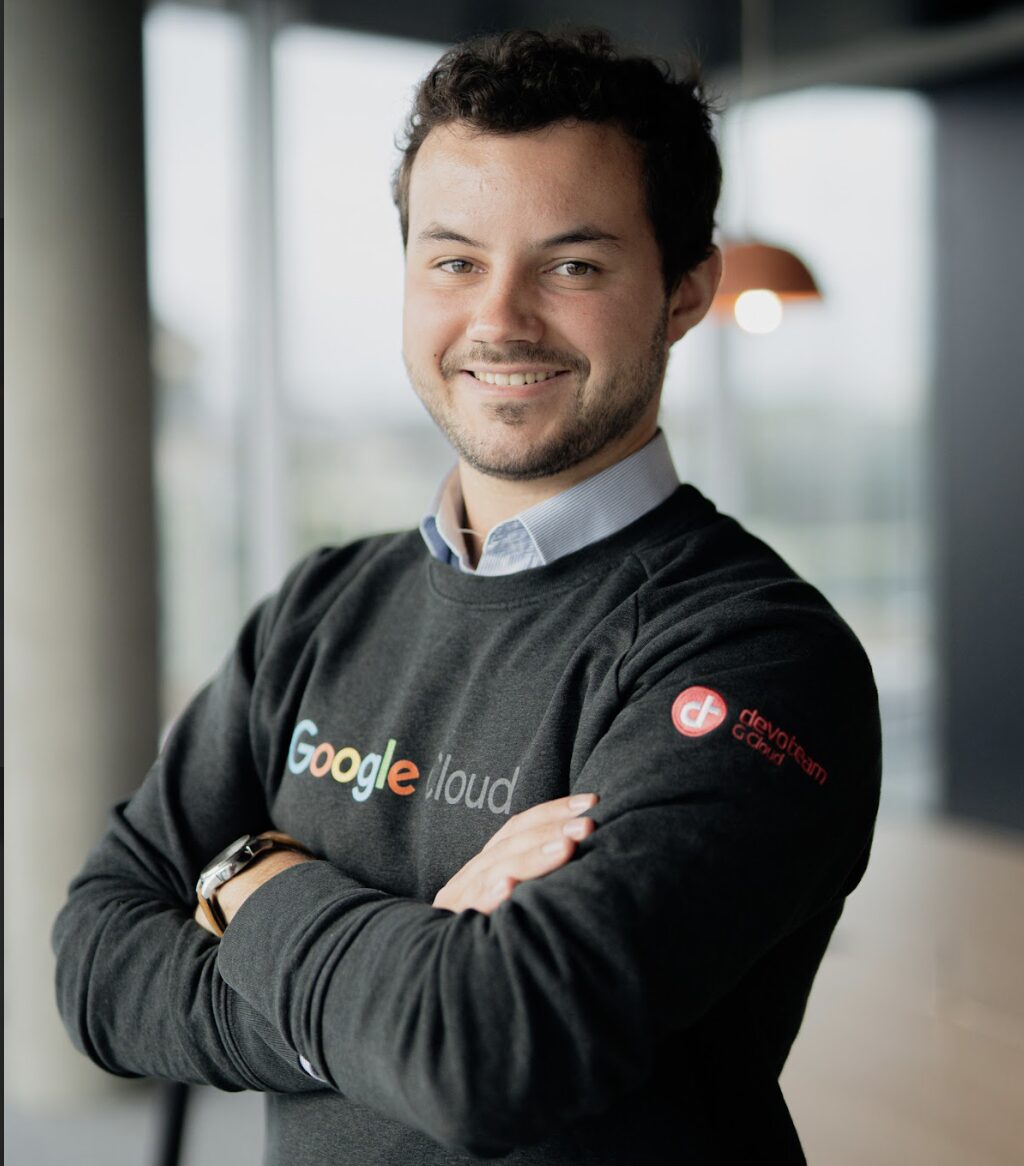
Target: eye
pixel 455 266
pixel 575 268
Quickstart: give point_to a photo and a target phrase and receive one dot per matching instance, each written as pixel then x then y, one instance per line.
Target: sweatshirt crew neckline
pixel 684 509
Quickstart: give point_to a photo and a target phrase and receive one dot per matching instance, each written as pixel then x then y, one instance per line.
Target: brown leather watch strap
pixel 283 841
pixel 214 915
pixel 280 841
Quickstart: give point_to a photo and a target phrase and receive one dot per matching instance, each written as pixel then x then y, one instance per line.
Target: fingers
pixel 499 892
pixel 534 843
pixel 545 831
pixel 544 813
pixel 539 855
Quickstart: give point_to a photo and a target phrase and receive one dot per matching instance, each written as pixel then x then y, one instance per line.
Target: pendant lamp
pixel 758 277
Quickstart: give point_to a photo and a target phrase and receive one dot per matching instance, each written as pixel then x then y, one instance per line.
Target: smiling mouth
pixel 515 378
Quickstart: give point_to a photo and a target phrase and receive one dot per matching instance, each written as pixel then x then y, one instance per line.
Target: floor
pixel 912 1050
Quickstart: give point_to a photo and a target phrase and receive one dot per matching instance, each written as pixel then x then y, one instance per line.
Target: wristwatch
pixel 233 860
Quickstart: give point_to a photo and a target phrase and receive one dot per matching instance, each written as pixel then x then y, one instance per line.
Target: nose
pixel 505 312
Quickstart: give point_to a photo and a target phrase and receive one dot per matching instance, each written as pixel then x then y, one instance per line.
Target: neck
pixel 490 501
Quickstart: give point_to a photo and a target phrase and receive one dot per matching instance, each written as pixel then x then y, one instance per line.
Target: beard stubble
pixel 612 410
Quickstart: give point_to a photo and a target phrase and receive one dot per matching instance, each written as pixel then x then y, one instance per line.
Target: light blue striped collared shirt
pixel 591 510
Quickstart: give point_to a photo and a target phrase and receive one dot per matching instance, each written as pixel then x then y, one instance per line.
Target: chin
pixel 522 460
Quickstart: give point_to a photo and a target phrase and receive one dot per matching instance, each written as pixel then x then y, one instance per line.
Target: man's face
pixel 536 326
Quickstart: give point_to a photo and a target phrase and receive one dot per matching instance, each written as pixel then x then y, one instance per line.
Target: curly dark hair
pixel 522 80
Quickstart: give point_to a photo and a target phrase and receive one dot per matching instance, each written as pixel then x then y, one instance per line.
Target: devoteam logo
pixel 698 710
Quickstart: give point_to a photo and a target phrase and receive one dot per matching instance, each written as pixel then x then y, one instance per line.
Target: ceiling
pixel 898 42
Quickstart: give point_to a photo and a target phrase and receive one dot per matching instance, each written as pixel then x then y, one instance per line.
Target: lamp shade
pixel 753 266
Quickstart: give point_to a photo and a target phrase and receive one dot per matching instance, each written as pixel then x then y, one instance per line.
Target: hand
pixel 533 843
pixel 234 892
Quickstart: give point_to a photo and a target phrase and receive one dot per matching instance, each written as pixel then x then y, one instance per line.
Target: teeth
pixel 515 378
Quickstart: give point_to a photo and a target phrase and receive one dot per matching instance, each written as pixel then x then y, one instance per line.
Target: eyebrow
pixel 584 233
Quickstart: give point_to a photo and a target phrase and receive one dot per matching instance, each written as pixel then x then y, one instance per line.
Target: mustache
pixel 518 352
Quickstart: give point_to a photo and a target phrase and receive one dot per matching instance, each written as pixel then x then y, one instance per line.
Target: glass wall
pixel 194 68
pixel 363 455
pixel 360 454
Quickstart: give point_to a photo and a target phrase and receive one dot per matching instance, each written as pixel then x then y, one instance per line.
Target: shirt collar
pixel 441 526
pixel 585 513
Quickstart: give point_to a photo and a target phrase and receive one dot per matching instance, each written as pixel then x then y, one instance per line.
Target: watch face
pixel 227 852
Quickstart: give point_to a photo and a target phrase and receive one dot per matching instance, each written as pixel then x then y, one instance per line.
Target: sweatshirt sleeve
pixel 138 984
pixel 738 791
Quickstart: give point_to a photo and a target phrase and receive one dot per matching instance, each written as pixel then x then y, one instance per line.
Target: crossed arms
pixel 530 844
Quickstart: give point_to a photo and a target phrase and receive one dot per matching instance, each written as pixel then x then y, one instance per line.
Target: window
pixel 363 454
pixel 194 62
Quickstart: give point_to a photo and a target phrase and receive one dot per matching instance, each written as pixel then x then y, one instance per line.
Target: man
pixel 561 795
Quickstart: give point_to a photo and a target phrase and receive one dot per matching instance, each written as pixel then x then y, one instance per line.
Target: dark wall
pixel 651 25
pixel 978 446
pixel 711 27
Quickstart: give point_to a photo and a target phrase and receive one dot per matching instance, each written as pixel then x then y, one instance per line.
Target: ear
pixel 690 301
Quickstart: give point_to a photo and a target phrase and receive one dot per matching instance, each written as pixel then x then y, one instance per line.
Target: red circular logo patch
pixel 697 711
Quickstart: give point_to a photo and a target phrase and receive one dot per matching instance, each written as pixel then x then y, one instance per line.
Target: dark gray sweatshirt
pixel 636 1005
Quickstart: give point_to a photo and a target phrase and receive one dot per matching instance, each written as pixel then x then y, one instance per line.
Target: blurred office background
pixel 203 380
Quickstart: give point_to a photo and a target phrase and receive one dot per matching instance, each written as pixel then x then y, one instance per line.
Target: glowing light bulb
pixel 758 311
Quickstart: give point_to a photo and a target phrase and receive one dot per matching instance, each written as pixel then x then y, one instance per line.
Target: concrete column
pixel 80 599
